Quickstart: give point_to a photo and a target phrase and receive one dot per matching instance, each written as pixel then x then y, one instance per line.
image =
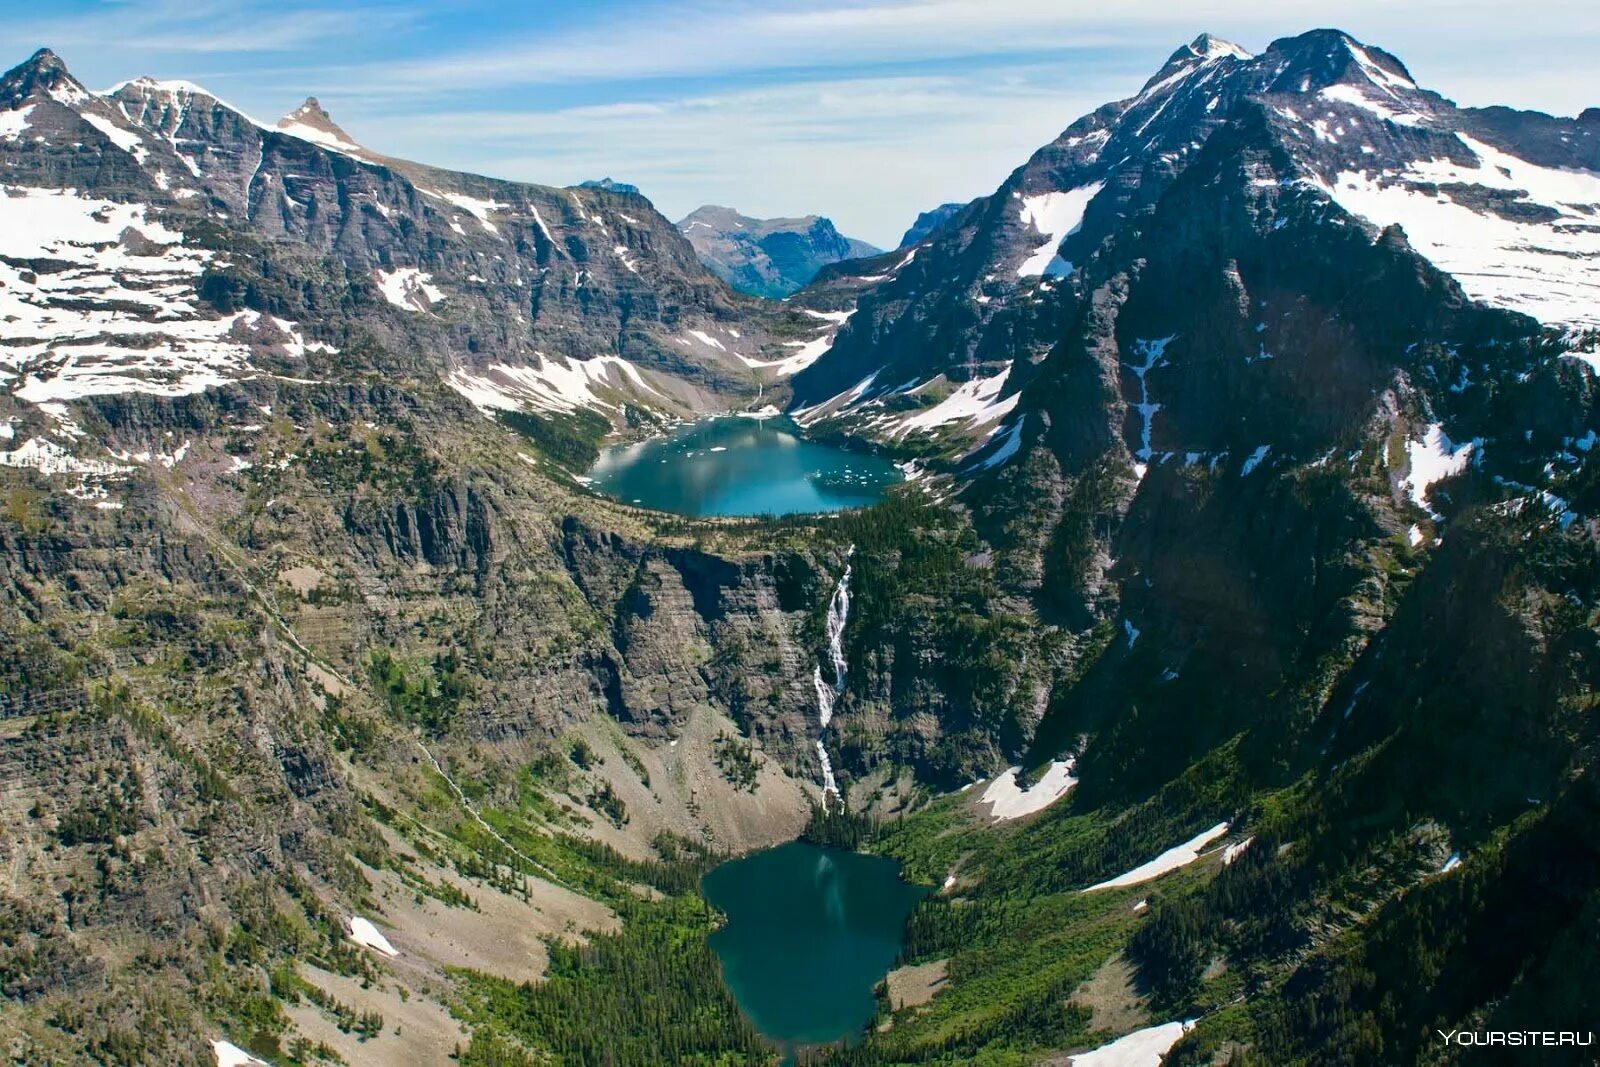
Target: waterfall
pixel 828 695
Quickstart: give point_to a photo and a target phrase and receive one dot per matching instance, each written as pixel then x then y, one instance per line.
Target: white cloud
pixel 869 152
pixel 729 37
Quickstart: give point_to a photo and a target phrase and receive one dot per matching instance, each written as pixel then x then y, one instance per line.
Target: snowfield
pixel 1142 1048
pixel 1010 801
pixel 1057 216
pixel 1549 270
pixel 1170 860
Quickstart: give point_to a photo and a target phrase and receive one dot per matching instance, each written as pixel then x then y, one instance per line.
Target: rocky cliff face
pixel 767 257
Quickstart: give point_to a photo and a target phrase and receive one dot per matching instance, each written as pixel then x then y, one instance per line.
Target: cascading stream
pixel 828 695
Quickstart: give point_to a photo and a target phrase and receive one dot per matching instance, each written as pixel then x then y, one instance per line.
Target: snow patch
pixel 365 934
pixel 1153 352
pixel 550 387
pixel 126 140
pixel 409 289
pixel 1352 95
pixel 12 123
pixel 230 1055
pixel 1253 460
pixel 809 351
pixel 1142 1048
pixel 1170 860
pixel 1057 216
pixel 975 403
pixel 1008 800
pixel 477 207
pixel 1008 446
pixel 1431 459
pixel 1234 851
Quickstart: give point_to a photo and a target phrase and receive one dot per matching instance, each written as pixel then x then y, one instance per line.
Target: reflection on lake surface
pixel 741 466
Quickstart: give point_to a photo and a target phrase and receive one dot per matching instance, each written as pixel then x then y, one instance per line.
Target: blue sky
pixel 864 110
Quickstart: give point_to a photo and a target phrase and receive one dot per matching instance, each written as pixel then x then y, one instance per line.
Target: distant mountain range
pixel 767 257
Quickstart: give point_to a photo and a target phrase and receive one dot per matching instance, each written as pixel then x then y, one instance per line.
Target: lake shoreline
pixel 809 932
pixel 742 465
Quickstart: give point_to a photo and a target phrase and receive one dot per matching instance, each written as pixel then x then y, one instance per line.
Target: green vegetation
pixel 571 440
pixel 737 760
pixel 425 695
pixel 647 995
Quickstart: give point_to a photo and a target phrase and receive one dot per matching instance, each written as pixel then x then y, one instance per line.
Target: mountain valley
pixel 1223 666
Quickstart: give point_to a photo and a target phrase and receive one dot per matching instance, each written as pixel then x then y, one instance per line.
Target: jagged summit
pixel 1502 202
pixel 311 122
pixel 1204 51
pixel 44 59
pixel 41 74
pixel 1208 46
pixel 1320 58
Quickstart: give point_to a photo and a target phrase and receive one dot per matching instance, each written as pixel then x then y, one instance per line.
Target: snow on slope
pixel 98 297
pixel 477 207
pixel 1432 458
pixel 367 935
pixel 1170 860
pixel 409 289
pixel 808 351
pixel 974 403
pixel 230 1055
pixel 1547 269
pixel 1008 446
pixel 1057 216
pixel 13 123
pixel 551 387
pixel 1010 801
pixel 1142 1048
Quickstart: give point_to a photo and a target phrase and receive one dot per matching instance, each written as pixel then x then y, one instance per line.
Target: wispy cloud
pixel 859 149
pixel 191 27
pixel 740 37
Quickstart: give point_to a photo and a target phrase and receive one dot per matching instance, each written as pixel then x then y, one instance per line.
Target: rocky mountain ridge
pixel 535 298
pixel 938 350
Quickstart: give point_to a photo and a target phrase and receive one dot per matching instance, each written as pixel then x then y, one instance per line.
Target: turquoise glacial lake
pixel 810 931
pixel 741 466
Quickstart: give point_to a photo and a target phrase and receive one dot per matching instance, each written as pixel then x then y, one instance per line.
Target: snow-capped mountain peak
pixel 311 122
pixel 1503 201
pixel 1204 51
pixel 1206 48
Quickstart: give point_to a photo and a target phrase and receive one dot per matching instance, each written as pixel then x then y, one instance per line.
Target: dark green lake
pixel 741 466
pixel 810 931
